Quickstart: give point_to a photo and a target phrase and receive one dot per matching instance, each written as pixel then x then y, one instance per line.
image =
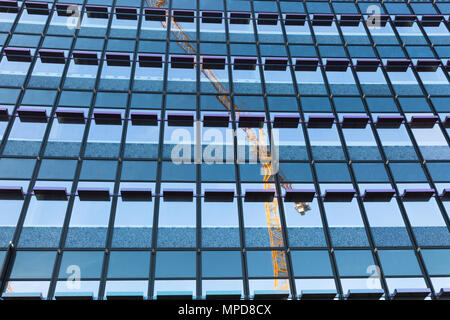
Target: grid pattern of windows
pixel 99 98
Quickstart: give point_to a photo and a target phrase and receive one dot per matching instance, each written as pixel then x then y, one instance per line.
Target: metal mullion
pixel 232 111
pixel 152 270
pixel 394 185
pixel 198 203
pixel 113 210
pixel 315 177
pixel 76 179
pixel 362 210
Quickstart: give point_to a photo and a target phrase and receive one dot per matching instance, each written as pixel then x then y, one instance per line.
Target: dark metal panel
pixel 126 13
pixel 350 20
pixel 239 17
pixel 11 193
pixel 322 19
pixel 339 195
pixel 136 194
pixel 144 118
pixel 268 19
pixel 154 14
pixel 108 117
pixel 216 120
pixel 219 195
pixel 213 63
pixel 410 294
pixel 183 15
pixel 182 62
pixel 320 121
pixel 93 194
pixel 85 58
pixel 70 116
pixel 255 195
pixel 52 56
pixel 295 19
pixel 98 12
pixel 378 195
pixel 150 60
pixel 38 8
pixel 180 120
pixel 211 16
pixel 178 195
pixel 50 193
pixel 32 115
pixel 355 122
pixel 118 59
pixel 18 54
pixel 286 121
pixel 299 195
pixel 251 121
pixel 247 63
pixel 9 6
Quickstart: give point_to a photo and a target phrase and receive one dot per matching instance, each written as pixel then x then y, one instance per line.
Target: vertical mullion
pixel 198 166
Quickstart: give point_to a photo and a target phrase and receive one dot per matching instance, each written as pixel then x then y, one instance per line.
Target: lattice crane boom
pixel 271 208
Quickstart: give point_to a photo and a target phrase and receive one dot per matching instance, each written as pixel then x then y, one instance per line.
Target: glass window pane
pixel 86 264
pixel 175 264
pixel 311 263
pixel 221 264
pixel 399 262
pixel 437 261
pixel 129 264
pixel 260 264
pixel 353 262
pixel 33 264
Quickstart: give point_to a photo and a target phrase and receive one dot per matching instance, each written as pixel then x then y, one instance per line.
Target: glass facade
pixel 323 130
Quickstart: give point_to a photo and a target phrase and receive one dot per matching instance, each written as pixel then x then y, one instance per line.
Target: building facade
pixel 210 146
